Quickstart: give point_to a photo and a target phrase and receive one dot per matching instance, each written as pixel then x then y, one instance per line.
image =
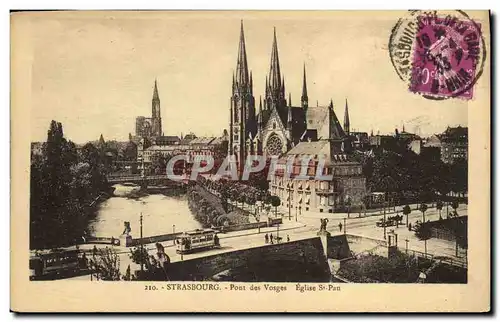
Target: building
pixel 279 125
pixel 283 129
pixel 148 127
pixel 344 192
pixel 167 140
pixel 198 146
pixel 454 144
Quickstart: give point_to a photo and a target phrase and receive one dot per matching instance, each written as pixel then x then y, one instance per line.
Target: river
pixel 159 212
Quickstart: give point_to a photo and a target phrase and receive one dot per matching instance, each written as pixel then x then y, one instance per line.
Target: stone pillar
pixel 392 243
pixel 125 240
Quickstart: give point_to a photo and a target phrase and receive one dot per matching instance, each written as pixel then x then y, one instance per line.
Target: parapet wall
pixel 308 251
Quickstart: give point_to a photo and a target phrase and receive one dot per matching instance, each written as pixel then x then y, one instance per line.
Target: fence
pixel 441 259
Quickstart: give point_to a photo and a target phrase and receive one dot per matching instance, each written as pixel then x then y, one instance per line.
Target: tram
pixel 53 264
pixel 197 240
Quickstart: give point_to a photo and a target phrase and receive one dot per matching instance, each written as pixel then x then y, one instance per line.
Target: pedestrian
pixel 266 237
pixel 271 238
pixel 409 226
pixel 340 226
pixel 287 238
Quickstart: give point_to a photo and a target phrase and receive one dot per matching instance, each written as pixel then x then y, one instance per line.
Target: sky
pixel 95 72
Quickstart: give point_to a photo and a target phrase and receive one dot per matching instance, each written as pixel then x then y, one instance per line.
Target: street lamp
pixel 385 223
pixel 173 231
pixel 142 248
pixel 289 203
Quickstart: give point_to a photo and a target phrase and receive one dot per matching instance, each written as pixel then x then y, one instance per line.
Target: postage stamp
pixel 440 55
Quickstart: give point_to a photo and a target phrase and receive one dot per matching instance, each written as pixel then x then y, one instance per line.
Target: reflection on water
pixel 159 212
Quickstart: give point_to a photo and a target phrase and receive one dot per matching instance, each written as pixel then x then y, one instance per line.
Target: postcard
pixel 250 161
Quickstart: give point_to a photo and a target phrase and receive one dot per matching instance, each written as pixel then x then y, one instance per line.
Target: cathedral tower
pixel 156 113
pixel 243 123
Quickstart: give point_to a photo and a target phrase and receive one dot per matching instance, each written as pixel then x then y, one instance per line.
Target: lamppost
pixel 142 248
pixel 289 203
pixel 173 231
pixel 385 223
pixel 406 240
pixel 344 226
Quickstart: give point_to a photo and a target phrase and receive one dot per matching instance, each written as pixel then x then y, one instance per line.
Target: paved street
pixel 306 227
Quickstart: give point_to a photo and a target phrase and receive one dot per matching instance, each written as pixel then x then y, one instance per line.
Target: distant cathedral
pixel 278 126
pixel 147 127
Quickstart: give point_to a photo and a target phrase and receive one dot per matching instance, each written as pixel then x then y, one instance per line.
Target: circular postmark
pixel 438 54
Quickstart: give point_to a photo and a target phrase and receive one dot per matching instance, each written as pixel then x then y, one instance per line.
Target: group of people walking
pixel 270 239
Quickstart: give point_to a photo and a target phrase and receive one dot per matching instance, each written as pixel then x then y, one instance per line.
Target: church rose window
pixel 274 145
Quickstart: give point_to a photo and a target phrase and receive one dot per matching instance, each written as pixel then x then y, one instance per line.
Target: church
pixel 283 130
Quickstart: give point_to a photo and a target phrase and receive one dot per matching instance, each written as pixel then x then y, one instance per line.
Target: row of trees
pixel 63 183
pixel 408 177
pixel 240 193
pixel 207 212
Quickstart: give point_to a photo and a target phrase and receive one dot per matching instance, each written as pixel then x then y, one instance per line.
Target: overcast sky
pixel 95 74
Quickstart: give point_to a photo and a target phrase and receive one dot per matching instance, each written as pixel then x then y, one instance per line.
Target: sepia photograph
pixel 225 152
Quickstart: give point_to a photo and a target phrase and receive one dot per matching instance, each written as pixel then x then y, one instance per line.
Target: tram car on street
pixel 197 240
pixel 53 265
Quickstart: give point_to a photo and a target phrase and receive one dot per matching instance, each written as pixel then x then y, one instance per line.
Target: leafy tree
pixel 63 184
pixel 406 212
pixel 105 265
pixel 454 205
pixel 275 202
pixel 130 152
pixel 423 209
pixel 423 232
pixel 439 206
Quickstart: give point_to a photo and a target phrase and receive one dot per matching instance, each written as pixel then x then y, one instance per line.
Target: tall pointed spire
pixel 304 99
pixel 241 65
pixel 347 124
pixel 267 86
pixel 274 69
pixel 251 82
pixel 156 97
pixel 283 86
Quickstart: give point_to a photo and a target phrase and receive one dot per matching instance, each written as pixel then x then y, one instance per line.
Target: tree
pixel 454 205
pixel 348 203
pixel 423 232
pixel 406 212
pixel 158 163
pixel 423 209
pixel 105 265
pixel 275 202
pixel 130 152
pixel 439 206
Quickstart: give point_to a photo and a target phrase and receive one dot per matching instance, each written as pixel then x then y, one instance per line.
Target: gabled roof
pixel 309 148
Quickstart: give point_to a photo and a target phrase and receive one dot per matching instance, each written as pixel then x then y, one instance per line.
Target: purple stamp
pixel 439 56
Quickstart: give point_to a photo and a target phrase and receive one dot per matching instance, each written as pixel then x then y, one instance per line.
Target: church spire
pixel 283 87
pixel 304 99
pixel 346 119
pixel 156 97
pixel 241 65
pixel 155 105
pixel 251 83
pixel 274 69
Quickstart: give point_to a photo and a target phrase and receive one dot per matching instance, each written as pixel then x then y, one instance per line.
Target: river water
pixel 159 212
